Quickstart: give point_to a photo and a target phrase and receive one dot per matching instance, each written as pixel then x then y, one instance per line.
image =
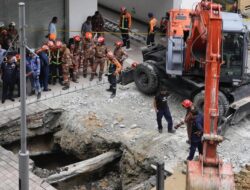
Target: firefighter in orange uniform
pixel 151 30
pixel 125 26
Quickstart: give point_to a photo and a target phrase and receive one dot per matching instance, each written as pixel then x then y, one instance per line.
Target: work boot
pixel 39 95
pixel 84 75
pixel 112 95
pixel 160 130
pixel 109 89
pixel 171 131
pixel 92 77
pixel 100 76
pixel 65 87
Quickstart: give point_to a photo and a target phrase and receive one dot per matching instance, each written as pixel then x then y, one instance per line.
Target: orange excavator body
pixel 179 22
pixel 209 173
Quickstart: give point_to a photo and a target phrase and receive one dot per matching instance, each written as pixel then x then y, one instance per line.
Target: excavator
pixel 209 173
pixel 205 60
pixel 181 63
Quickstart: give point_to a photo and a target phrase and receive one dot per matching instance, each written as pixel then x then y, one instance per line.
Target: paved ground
pixel 9 174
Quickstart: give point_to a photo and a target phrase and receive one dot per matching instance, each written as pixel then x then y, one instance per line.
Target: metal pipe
pixel 23 154
pixel 160 176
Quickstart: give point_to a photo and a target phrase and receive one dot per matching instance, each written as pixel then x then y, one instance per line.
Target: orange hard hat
pixel 101 39
pixel 110 55
pixel 187 103
pixel 45 47
pixel 50 44
pixel 52 37
pixel 77 38
pixel 119 43
pixel 59 44
pixel 88 35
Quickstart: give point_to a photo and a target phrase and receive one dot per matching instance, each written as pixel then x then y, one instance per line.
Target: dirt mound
pixel 242 179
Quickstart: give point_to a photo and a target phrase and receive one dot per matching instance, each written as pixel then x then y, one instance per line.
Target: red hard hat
pixel 123 9
pixel 77 38
pixel 45 47
pixel 88 35
pixel 18 57
pixel 50 44
pixel 187 103
pixel 59 44
pixel 4 32
pixel 119 43
pixel 100 39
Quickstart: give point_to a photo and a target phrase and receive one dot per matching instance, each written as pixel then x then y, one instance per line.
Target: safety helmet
pixel 119 43
pixel 101 40
pixel 1 24
pixel 123 9
pixel 12 24
pixel 50 44
pixel 18 57
pixel 45 47
pixel 110 55
pixel 77 38
pixel 58 44
pixel 4 32
pixel 88 35
pixel 187 103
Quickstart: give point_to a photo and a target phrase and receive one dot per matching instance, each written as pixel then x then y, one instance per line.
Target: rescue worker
pixel 8 70
pixel 119 53
pixel 125 26
pixel 4 39
pixel 88 52
pixel 151 30
pixel 162 109
pixel 114 68
pixel 35 66
pixel 164 24
pixel 97 24
pixel 44 58
pixel 196 135
pixel 66 64
pixel 188 105
pixel 2 54
pixel 52 29
pixel 100 57
pixel 13 34
pixel 78 54
pixel 51 46
pixel 56 63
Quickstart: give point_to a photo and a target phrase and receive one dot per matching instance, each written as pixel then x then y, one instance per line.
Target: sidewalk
pixel 9 175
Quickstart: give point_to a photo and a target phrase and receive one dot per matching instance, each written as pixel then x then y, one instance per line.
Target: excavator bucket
pixel 209 178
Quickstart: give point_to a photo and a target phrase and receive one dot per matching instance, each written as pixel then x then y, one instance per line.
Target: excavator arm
pixel 209 172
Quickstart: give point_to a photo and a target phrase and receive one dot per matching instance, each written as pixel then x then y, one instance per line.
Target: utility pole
pixel 23 154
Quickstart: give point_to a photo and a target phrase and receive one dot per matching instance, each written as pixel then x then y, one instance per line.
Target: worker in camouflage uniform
pixel 66 64
pixel 119 53
pixel 51 46
pixel 56 63
pixel 88 49
pixel 100 57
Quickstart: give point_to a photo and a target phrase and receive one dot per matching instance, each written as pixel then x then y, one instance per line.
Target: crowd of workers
pixel 56 62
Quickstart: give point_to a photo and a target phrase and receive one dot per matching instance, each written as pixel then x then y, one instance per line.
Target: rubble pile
pixel 242 179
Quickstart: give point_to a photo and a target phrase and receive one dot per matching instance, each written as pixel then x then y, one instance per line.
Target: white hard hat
pixel 2 24
pixel 13 23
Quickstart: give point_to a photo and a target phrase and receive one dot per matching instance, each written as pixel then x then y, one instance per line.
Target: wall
pixel 78 11
pixel 141 7
pixel 185 4
pixel 38 16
